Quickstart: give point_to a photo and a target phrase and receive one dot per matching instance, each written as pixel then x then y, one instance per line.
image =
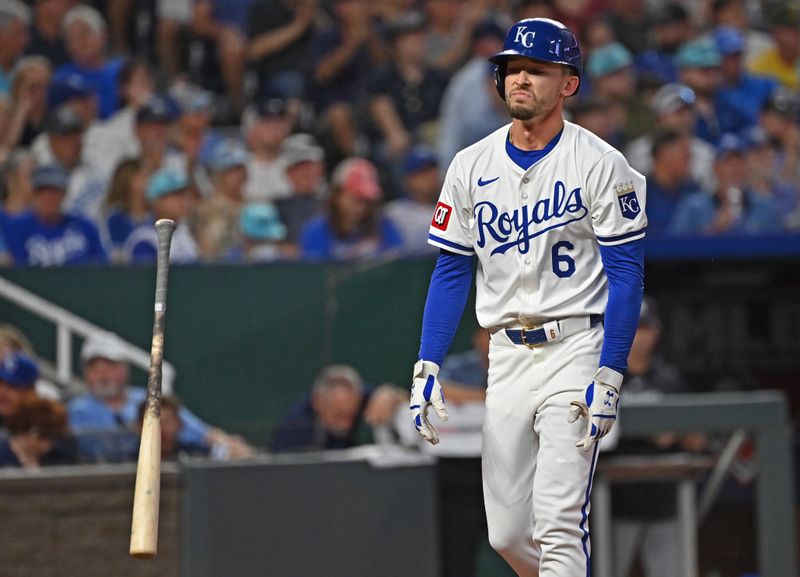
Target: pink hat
pixel 359 176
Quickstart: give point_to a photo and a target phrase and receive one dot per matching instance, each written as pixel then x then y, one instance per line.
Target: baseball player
pixel 556 218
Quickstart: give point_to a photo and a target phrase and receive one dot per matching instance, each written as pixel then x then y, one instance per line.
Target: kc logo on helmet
pixel 441 216
pixel 524 37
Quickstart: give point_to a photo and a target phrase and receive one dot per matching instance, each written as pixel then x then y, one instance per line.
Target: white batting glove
pixel 426 392
pixel 598 405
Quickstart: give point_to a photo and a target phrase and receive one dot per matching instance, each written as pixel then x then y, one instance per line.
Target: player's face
pixel 534 88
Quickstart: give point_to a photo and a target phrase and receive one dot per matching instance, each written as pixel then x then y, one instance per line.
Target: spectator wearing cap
pixel 699 67
pixel 193 136
pixel 278 46
pixel 668 182
pixel 48 236
pixel 218 214
pixel 38 436
pixel 470 108
pixel 261 235
pixel 29 87
pixel 782 60
pixel 46 31
pixel 736 13
pixel 169 195
pixel 645 515
pixel 18 374
pixel 15 17
pixel 335 413
pixel 105 417
pixel 610 71
pixel 353 226
pixel 126 205
pixel 411 213
pixel 265 125
pixel 405 94
pixel 673 108
pixel 305 173
pixel 742 95
pixel 85 36
pixel 344 51
pixel 671 27
pixel 154 119
pixel 733 208
pixel 63 144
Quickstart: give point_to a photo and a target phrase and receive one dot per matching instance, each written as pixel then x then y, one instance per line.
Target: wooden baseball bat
pixel 144 527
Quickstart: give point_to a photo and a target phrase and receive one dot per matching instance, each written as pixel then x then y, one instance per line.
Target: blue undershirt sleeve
pixel 447 295
pixel 624 266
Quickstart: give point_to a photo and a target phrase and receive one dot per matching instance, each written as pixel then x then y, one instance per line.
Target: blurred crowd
pixel 321 129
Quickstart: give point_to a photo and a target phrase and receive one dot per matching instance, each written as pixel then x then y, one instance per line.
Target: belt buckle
pixel 527 344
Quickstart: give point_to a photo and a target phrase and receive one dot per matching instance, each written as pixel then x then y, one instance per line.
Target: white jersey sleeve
pixel 618 196
pixel 450 226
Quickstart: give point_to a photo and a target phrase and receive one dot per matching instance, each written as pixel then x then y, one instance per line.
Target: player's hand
pixel 425 393
pixel 598 404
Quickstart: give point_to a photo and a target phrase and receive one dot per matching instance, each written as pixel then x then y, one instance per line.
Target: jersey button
pixel 526 180
pixel 527 261
pixel 524 197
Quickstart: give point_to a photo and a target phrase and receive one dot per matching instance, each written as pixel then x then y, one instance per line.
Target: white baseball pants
pixel 536 482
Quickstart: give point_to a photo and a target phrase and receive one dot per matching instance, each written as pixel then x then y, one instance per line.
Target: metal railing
pixel 67 324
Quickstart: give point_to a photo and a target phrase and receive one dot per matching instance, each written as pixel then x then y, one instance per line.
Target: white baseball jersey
pixel 536 231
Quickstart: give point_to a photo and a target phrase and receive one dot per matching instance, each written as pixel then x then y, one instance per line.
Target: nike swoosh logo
pixel 482 182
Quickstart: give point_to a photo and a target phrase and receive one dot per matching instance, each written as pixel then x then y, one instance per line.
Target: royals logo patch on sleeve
pixel 441 216
pixel 628 202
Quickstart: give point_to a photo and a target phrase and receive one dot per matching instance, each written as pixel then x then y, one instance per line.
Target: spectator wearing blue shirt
pixel 742 95
pixel 105 417
pixel 85 36
pixel 18 374
pixel 170 194
pixel 698 63
pixel 733 208
pixel 669 182
pixel 353 226
pixel 126 205
pixel 46 235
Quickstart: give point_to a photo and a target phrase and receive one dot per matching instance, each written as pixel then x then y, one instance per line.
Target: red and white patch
pixel 441 216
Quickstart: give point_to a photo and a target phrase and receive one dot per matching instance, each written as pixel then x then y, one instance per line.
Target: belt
pixel 539 335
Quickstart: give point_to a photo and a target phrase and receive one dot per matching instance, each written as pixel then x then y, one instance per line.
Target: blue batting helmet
pixel 540 39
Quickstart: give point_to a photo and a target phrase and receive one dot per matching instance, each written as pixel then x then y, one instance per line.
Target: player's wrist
pixel 609 377
pixel 423 369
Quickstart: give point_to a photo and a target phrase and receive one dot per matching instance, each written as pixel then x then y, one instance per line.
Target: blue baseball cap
pixel 68 88
pixel 50 176
pixel 608 58
pixel 227 154
pixel 166 181
pixel 260 220
pixel 700 53
pixel 730 143
pixel 729 40
pixel 419 158
pixel 19 371
pixel 158 110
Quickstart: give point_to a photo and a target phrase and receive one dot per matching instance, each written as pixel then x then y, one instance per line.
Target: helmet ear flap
pixel 500 80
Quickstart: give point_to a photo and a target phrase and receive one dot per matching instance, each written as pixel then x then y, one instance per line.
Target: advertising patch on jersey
pixel 628 201
pixel 441 216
